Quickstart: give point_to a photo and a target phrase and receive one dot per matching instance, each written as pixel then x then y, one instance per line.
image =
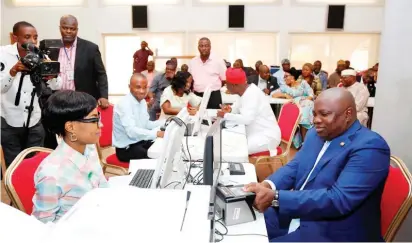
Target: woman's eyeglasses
pixel 91 120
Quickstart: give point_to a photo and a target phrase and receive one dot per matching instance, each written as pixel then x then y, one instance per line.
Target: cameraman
pixel 15 136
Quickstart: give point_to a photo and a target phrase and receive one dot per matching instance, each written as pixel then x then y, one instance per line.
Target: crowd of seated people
pixel 303 86
pixel 295 203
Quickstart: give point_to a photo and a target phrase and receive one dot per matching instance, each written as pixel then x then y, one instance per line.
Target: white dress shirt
pixel 295 223
pixel 262 84
pixel 280 76
pixel 16 116
pixel 253 111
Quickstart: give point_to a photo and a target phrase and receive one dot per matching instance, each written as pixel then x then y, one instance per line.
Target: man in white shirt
pixel 133 132
pixel 253 110
pixel 359 91
pixel 331 191
pixel 15 135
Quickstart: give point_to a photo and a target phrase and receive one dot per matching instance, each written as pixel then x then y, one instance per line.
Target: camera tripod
pixel 37 89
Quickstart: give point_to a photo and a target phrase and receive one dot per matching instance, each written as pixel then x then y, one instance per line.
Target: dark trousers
pixel 13 139
pixel 134 151
pixel 215 99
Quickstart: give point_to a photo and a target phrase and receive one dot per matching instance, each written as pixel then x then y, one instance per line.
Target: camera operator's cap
pixel 235 76
pixel 285 61
pixel 348 72
pixel 341 62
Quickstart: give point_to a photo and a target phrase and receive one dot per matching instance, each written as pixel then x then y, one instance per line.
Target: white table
pixel 234 145
pixel 131 214
pixel 256 227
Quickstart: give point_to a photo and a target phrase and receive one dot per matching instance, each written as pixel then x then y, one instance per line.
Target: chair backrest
pixel 396 198
pixel 19 180
pixel 288 121
pixel 106 116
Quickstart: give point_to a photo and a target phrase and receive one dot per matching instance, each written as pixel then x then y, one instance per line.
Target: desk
pixel 256 227
pixel 234 145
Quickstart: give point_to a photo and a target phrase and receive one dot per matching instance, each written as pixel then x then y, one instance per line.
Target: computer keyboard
pixel 142 178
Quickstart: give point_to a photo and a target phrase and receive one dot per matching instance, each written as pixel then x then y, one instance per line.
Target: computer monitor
pixel 212 157
pixel 202 112
pixel 171 152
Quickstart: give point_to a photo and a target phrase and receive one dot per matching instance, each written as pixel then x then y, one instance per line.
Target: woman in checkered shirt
pixel 73 169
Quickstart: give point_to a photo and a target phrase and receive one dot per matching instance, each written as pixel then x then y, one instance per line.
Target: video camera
pixel 38 64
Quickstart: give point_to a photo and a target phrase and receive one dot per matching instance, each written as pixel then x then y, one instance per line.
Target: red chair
pixel 105 142
pixel 19 180
pixel 396 198
pixel 288 121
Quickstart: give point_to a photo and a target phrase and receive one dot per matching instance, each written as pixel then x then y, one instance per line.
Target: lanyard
pixel 64 48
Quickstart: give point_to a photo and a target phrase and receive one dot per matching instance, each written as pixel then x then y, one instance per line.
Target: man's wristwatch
pixel 275 201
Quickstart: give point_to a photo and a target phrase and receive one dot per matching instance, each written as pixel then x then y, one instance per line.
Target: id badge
pixel 70 74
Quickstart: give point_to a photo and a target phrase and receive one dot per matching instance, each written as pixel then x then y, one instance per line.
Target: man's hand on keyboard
pixel 264 195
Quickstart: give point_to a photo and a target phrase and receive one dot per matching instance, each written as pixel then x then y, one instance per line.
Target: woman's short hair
pixel 180 80
pixel 64 106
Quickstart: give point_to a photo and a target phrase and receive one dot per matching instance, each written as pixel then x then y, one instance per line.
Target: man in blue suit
pixel 332 189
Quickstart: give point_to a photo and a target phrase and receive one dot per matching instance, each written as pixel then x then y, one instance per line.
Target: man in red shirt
pixel 141 57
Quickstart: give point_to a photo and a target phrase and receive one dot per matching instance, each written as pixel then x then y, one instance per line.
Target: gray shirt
pixel 159 83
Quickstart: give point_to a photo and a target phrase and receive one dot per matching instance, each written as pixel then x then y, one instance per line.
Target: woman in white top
pixel 178 95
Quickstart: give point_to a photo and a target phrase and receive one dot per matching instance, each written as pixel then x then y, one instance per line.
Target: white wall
pixel 94 19
pixel 392 114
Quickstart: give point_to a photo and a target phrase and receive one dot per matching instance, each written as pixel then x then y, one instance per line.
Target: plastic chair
pixel 396 198
pixel 19 180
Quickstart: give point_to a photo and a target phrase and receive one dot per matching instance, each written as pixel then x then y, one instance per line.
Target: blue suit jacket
pixel 341 201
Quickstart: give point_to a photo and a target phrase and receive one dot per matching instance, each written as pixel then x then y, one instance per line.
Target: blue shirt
pixel 159 84
pixel 280 75
pixel 131 122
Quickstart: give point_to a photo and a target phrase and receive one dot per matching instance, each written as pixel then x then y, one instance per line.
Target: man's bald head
pixel 68 29
pixel 334 113
pixel 138 86
pixel 264 72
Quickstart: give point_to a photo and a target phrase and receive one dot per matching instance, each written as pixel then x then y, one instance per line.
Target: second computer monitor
pixel 171 147
pixel 202 111
pixel 212 157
